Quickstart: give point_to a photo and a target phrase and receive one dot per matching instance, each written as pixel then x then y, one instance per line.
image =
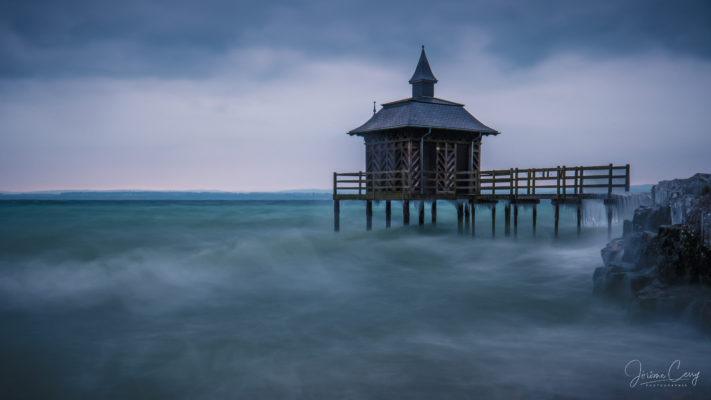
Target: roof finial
pixel 373 106
pixel 423 79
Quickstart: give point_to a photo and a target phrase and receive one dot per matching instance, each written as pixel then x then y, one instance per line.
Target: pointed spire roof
pixel 423 72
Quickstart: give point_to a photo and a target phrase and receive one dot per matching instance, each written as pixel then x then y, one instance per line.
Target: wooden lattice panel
pixel 446 167
pixel 476 155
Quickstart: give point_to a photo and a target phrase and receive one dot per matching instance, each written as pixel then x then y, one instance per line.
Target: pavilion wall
pixel 396 151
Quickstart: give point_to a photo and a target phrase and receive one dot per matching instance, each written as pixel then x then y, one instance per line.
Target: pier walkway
pixel 561 185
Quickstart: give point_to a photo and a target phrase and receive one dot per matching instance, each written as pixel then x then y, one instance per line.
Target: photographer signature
pixel 671 377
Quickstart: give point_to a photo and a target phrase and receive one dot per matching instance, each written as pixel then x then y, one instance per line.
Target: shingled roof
pixel 423 110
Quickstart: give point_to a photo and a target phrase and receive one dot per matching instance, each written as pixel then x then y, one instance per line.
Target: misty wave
pixel 262 300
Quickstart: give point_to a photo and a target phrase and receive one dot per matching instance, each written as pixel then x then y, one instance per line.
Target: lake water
pixel 262 300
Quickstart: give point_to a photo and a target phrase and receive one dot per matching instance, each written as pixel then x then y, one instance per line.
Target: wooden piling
pixel 421 213
pixel 388 213
pixel 557 217
pixel 336 215
pixel 515 220
pixel 368 214
pixel 460 217
pixel 434 212
pixel 507 219
pixel 406 212
pixel 493 220
pixel 579 217
pixel 609 220
pixel 535 218
pixel 467 215
pixel 472 205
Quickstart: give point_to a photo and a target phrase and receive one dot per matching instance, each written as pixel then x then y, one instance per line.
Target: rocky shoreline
pixel 662 263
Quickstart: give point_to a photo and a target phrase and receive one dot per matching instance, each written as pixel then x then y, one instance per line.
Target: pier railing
pixel 556 182
pixel 404 184
pixel 560 181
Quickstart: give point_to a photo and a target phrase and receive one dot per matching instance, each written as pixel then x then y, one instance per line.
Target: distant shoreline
pixel 138 195
pixel 148 195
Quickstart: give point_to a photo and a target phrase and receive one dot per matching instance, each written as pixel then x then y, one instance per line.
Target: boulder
pixel 651 218
pixel 662 263
pixel 683 258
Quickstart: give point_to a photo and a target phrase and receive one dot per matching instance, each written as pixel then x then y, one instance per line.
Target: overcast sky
pixel 246 96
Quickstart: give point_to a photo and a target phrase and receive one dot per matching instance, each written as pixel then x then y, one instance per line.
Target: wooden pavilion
pixel 423 134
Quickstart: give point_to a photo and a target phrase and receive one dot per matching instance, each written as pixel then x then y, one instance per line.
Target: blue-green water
pixel 261 300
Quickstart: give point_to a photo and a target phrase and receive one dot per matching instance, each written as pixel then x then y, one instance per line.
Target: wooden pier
pixel 516 186
pixel 424 149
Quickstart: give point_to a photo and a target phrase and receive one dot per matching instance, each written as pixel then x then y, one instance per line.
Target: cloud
pixel 231 132
pixel 273 119
pixel 184 39
pixel 646 110
pixel 254 96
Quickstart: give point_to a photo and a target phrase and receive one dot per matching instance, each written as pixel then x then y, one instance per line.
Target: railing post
pixel 534 182
pixel 582 183
pixel 403 182
pixel 516 193
pixel 528 181
pixel 511 182
pixel 627 178
pixel 477 176
pixel 409 182
pixel 493 183
pixel 372 183
pixel 360 183
pixel 575 181
pixel 335 184
pixel 565 182
pixel 609 185
pixel 557 183
pixel 436 182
